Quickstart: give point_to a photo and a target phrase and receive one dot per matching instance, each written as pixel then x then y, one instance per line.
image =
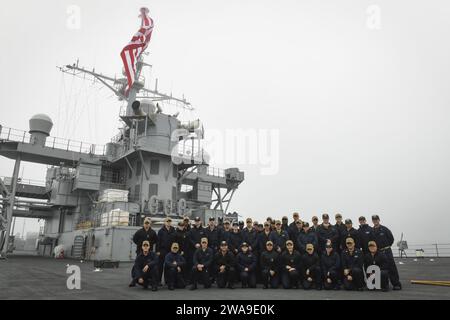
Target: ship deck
pixel 31 277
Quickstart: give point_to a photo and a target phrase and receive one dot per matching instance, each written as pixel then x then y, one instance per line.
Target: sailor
pixel 225 234
pixel 263 237
pixel 145 233
pixel 285 224
pixel 174 263
pixel 290 266
pixel 306 236
pixel 145 269
pixel 249 235
pixel 187 223
pixel 310 269
pixel 350 232
pixel 365 234
pixel 246 265
pixel 235 240
pixel 352 264
pixel 295 231
pixel 315 224
pixel 213 234
pixel 279 237
pixel 292 225
pixel 225 267
pixel 180 237
pixel 203 259
pixel 384 239
pixel 340 228
pixel 327 232
pixel 166 236
pixel 377 258
pixel 196 233
pixel 330 265
pixel 270 267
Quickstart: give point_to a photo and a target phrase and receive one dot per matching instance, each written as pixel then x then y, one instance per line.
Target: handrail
pixel 11 134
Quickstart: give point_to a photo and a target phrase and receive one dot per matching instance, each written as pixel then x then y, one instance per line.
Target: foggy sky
pixel 363 114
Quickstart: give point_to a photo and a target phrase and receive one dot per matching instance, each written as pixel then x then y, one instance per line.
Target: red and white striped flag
pixel 137 45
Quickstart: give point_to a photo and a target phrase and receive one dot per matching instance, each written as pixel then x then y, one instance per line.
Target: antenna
pixel 117 86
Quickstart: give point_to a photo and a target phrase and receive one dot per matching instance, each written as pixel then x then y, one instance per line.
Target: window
pixel 154 167
pixel 152 190
pixel 138 168
pixel 137 192
pixel 175 171
pixel 174 194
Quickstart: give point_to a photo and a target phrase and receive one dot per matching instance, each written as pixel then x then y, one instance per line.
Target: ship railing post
pixel 54 138
pixel 68 144
pixel 9 134
pixel 81 145
pixel 437 250
pixel 23 138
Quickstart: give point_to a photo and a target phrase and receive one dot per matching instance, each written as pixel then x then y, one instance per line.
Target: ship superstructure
pixel 95 197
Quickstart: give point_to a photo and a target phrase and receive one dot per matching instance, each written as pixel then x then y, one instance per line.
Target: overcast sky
pixel 355 92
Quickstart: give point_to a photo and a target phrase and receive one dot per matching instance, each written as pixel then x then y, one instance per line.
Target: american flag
pixel 136 46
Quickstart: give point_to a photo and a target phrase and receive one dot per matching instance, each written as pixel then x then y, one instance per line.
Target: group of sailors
pixel 320 256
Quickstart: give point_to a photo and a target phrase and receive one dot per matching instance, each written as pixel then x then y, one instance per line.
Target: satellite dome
pixel 41 123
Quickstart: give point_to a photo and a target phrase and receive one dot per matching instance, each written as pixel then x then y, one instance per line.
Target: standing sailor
pixel 384 239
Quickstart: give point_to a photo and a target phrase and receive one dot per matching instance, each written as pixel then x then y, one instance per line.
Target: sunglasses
pixel 267 225
pixel 349 242
pixel 204 242
pixel 315 220
pixel 309 249
pixel 269 245
pixel 175 248
pixel 145 245
pixel 146 222
pixel 278 224
pixel 289 244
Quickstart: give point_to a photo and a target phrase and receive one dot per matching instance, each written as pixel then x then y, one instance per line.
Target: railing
pixel 10 134
pixel 7 181
pixel 216 172
pixel 430 250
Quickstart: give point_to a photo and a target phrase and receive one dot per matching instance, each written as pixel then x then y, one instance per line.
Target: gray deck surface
pixel 27 277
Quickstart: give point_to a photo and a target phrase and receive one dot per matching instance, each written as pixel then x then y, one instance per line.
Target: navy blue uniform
pixel 263 237
pixel 384 239
pixel 290 279
pixel 235 242
pixel 228 275
pixel 378 259
pixel 352 233
pixel 340 228
pixel 365 235
pixel 213 236
pixel 247 260
pixel 304 238
pixel 181 237
pixel 311 262
pixel 173 277
pixel 204 257
pixel 279 239
pixel 149 277
pixel 330 266
pixel 250 236
pixel 141 235
pixel 270 261
pixel 354 262
pixel 165 239
pixel 325 233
